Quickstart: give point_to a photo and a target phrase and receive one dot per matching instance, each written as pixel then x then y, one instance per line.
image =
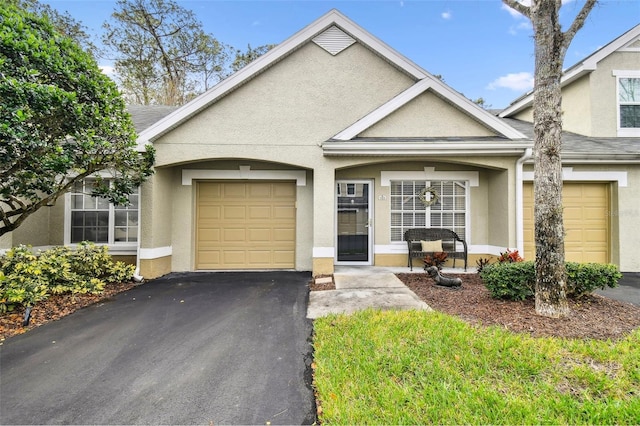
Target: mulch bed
pixel 592 316
pixel 54 308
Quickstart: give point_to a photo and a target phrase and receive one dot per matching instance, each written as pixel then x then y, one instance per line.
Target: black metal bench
pixel 454 246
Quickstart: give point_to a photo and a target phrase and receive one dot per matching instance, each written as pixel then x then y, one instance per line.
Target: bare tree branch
pixel 578 22
pixel 516 5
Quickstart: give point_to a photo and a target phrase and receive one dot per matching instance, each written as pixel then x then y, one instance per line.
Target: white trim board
pixel 588 176
pixel 155 253
pixel 429 173
pixel 401 248
pixel 244 173
pixel 324 252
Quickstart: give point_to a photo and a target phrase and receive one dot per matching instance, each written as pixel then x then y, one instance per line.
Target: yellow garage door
pixel 245 225
pixel 586 222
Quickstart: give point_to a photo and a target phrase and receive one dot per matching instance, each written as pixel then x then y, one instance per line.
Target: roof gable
pixel 435 85
pixel 333 32
pixel 627 42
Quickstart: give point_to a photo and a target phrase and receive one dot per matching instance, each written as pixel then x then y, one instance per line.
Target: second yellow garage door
pixel 245 225
pixel 586 222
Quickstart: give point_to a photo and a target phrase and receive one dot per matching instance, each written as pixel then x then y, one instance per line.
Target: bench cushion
pixel 432 246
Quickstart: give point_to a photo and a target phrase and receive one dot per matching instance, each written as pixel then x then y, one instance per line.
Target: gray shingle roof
pixel 144 116
pixel 579 146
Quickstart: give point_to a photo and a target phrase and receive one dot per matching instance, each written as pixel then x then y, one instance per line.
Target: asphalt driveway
pixel 198 348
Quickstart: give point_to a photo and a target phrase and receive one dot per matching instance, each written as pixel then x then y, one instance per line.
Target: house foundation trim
pixel 244 173
pixel 324 252
pixel 155 253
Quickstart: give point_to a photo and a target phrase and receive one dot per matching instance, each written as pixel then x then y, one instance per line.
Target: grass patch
pixel 415 367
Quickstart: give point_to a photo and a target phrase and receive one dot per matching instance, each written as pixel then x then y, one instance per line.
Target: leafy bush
pixel 436 260
pixel 516 280
pixel 27 278
pixel 509 280
pixel 584 278
pixel 510 256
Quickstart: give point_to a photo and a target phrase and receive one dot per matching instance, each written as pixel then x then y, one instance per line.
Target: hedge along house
pixel 316 154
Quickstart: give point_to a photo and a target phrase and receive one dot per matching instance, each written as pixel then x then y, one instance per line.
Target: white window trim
pixel 471 179
pixel 624 131
pixel 114 248
pixel 429 173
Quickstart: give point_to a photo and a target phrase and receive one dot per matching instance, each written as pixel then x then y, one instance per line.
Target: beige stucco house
pixel 317 154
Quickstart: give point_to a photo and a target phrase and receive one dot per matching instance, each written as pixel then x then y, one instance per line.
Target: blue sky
pixel 481 48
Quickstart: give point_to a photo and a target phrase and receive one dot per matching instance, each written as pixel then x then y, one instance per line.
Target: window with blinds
pixel 409 211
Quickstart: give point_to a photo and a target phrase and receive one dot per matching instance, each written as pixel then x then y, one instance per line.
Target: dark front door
pixel 353 222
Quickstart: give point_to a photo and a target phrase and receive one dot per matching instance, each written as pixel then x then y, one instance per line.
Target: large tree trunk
pixel 551 285
pixel 550 48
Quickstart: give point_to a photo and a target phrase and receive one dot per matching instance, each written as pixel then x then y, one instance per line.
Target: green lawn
pixel 416 367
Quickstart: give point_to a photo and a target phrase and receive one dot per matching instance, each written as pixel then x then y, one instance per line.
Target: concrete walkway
pixel 362 287
pixel 359 288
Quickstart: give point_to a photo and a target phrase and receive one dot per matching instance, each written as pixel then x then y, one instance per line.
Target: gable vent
pixel 334 40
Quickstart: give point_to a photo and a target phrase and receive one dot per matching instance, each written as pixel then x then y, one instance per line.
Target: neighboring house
pixel 601 143
pixel 318 153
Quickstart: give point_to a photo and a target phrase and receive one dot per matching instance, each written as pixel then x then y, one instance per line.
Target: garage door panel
pixel 259 235
pixel 233 235
pixel 585 207
pixel 231 191
pixel 210 192
pixel 210 236
pixel 259 257
pixel 284 257
pixel 281 234
pixel 595 236
pixel 252 225
pixel 595 213
pixel 572 236
pixel 209 212
pixel 210 257
pixel 234 212
pixel 595 256
pixel 285 192
pixel 284 212
pixel 572 213
pixel 232 257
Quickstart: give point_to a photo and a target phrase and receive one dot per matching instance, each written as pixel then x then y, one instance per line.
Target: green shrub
pixel 584 278
pixel 516 281
pixel 24 282
pixel 509 280
pixel 27 278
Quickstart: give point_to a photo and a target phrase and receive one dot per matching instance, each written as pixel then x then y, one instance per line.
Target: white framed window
pixel 95 219
pixel 628 99
pixel 409 211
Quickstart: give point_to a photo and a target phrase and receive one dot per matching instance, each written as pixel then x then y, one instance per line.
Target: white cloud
pixel 527 3
pixel 520 81
pixel 522 26
pixel 107 69
pixel 446 15
pixel 514 12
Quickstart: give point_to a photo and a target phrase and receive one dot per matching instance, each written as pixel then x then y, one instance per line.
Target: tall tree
pixel 61 120
pixel 242 59
pixel 550 44
pixel 160 46
pixel 63 22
